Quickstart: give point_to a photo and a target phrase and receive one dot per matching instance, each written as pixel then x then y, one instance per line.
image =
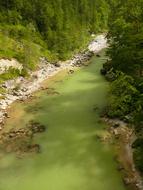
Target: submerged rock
pixel 95 108
pixel 20 140
pixel 34 148
pixel 71 71
pixel 52 92
pixel 36 127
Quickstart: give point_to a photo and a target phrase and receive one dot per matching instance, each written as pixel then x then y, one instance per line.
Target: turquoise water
pixel 72 157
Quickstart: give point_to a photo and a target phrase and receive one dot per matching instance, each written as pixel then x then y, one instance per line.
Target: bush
pixel 138 158
pixel 25 51
pixel 10 74
pixel 24 73
pixel 123 97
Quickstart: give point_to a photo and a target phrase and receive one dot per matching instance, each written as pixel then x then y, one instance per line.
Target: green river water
pixel 71 158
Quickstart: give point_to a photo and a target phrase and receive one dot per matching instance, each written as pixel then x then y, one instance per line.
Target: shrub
pixel 123 96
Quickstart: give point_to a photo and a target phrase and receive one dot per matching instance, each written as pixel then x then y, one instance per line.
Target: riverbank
pixel 21 88
pixel 124 138
pixel 71 154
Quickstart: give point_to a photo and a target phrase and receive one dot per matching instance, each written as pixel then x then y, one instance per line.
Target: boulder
pixel 128 181
pixel 56 64
pixel 116 125
pixel 103 71
pixel 71 71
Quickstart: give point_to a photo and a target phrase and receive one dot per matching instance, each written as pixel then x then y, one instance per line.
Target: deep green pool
pixel 72 158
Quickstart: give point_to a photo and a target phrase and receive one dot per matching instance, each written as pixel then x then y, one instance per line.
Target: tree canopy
pixel 125 37
pixel 64 25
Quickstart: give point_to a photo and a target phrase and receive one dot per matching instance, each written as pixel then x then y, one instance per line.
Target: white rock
pixel 5 64
pixel 99 43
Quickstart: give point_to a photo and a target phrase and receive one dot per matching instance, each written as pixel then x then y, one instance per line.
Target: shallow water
pixel 72 158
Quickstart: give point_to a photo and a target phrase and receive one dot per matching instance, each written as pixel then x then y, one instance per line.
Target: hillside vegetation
pixel 56 29
pixel 125 68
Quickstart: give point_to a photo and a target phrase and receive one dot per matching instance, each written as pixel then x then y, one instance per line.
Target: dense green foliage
pixel 125 67
pixel 126 32
pixel 138 153
pixel 124 97
pixel 61 26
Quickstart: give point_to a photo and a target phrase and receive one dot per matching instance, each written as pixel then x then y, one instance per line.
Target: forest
pixel 125 68
pixel 61 28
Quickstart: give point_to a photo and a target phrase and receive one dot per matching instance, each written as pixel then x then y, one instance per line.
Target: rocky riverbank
pixel 124 138
pixel 21 88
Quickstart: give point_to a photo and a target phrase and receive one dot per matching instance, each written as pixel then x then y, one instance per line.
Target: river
pixel 72 157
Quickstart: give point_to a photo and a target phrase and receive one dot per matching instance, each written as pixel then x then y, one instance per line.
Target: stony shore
pixel 125 137
pixel 21 88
